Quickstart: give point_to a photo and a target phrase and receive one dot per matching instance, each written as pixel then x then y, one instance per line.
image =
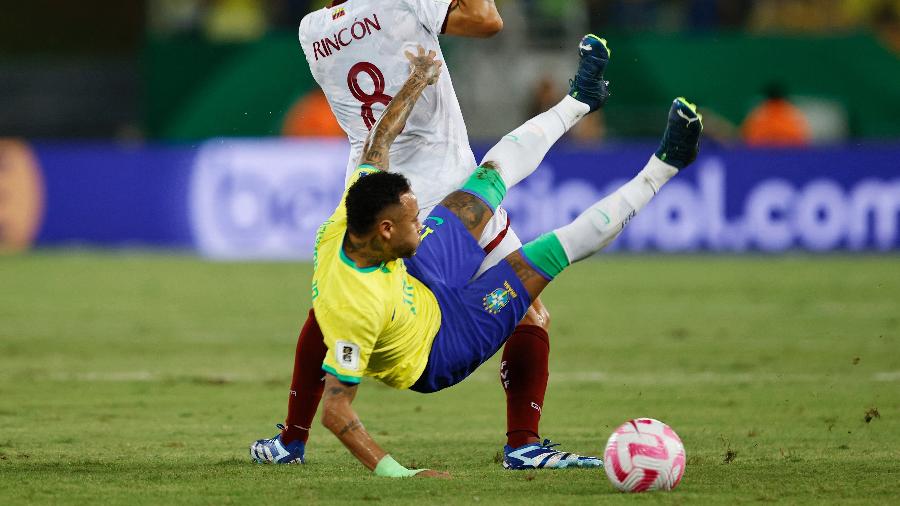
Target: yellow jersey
pixel 378 321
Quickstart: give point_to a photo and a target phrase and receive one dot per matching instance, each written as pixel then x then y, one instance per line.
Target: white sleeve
pixel 301 35
pixel 431 13
pixel 304 26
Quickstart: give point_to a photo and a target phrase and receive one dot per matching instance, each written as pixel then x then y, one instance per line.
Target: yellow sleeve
pixel 350 335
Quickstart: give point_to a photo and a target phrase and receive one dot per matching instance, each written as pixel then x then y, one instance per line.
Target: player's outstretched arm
pixel 473 18
pixel 425 71
pixel 340 418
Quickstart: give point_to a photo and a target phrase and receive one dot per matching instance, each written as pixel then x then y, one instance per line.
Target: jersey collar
pixel 383 267
pixel 335 3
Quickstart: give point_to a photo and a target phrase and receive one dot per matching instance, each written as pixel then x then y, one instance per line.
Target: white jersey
pixel 356 53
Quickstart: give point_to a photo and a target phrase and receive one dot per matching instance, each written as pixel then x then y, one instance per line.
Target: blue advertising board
pixel 105 195
pixel 731 200
pixel 264 199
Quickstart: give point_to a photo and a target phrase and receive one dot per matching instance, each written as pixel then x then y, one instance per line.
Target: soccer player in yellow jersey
pixel 396 298
pixel 376 318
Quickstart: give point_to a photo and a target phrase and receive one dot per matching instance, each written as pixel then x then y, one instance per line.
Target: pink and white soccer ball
pixel 644 454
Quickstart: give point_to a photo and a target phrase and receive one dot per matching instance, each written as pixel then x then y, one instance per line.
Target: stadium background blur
pixel 158 60
pixel 157 77
pixel 140 139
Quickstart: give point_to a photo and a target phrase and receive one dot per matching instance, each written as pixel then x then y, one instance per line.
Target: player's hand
pixel 430 473
pixel 425 64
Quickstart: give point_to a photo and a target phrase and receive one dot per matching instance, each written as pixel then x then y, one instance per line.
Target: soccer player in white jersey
pixel 355 50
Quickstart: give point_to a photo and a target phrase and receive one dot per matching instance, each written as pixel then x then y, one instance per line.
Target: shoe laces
pixel 280 428
pixel 587 80
pixel 678 138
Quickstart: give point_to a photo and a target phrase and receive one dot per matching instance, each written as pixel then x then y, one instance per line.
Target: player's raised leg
pixel 525 359
pixel 520 152
pixel 541 260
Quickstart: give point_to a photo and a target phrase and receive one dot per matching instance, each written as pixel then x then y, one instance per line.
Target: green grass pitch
pixel 142 379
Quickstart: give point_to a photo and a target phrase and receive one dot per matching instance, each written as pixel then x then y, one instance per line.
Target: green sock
pixel 547 254
pixel 487 184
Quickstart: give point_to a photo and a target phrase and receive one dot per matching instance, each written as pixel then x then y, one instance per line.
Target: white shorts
pixel 498 240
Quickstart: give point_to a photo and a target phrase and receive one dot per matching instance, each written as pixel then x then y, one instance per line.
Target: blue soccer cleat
pixel 543 456
pixel 681 142
pixel 588 86
pixel 274 451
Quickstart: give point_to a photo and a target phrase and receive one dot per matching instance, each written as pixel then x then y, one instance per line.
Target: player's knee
pixel 489 165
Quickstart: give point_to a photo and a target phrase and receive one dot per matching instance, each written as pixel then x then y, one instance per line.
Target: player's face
pixel 406 227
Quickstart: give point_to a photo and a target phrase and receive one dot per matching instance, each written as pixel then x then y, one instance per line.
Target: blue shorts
pixel 477 316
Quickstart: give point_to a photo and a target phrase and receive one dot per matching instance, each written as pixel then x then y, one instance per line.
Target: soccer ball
pixel 644 454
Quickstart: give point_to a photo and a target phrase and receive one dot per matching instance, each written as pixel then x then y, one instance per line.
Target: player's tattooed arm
pixel 425 70
pixel 473 18
pixel 340 418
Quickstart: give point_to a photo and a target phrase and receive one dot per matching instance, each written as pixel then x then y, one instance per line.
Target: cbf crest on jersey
pixel 499 298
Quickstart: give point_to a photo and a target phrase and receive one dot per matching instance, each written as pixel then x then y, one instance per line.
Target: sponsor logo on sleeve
pixel 347 355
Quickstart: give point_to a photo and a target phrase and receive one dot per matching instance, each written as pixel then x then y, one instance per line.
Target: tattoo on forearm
pixel 352 426
pixel 340 390
pixel 374 156
pixel 392 121
pixel 523 271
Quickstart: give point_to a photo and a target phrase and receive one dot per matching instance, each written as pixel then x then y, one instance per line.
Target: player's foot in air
pixel 543 456
pixel 588 86
pixel 274 451
pixel 681 142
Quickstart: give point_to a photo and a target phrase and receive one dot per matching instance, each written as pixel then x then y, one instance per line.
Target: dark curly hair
pixel 369 196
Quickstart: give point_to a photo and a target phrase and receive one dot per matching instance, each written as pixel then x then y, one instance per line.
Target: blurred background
pixel 195 124
pixel 164 166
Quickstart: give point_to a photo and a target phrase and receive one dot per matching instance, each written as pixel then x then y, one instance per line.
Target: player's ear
pixel 385 228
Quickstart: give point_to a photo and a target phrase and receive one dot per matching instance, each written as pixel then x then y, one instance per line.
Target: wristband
pixel 390 468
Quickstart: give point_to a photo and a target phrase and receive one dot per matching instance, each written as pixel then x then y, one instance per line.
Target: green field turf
pixel 142 379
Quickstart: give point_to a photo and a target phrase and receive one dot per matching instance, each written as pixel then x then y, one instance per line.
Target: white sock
pixel 520 152
pixel 598 226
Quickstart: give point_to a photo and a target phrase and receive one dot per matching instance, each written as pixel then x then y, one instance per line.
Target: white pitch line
pixel 887 376
pixel 673 378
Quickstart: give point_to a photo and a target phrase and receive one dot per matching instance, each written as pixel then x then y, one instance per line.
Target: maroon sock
pixel 306 384
pixel 523 374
